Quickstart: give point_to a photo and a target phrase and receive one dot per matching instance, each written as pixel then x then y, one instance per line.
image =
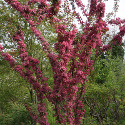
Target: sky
pixel 109 8
pixel 121 9
pixel 109 4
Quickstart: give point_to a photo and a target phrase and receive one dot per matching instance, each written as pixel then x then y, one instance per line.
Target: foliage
pixel 105 100
pixel 17 116
pixel 118 52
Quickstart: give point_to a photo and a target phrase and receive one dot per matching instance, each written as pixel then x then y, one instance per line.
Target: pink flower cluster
pixel 8 58
pixel 93 7
pixel 43 12
pixel 1 48
pixel 97 9
pixel 25 71
pixel 117 21
pixel 71 62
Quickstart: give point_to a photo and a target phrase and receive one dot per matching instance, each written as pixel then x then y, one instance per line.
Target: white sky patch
pixel 108 9
pixel 121 9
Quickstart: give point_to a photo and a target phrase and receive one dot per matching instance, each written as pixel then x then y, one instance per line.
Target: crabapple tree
pixel 70 60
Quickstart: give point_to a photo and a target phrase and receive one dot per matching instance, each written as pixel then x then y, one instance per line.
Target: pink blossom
pixel 75 88
pixel 70 63
pixel 8 58
pixel 1 48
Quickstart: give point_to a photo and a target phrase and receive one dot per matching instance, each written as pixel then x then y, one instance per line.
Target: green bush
pixel 104 97
pixel 17 116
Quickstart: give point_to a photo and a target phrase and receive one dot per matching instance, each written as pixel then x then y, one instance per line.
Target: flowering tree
pixel 70 62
